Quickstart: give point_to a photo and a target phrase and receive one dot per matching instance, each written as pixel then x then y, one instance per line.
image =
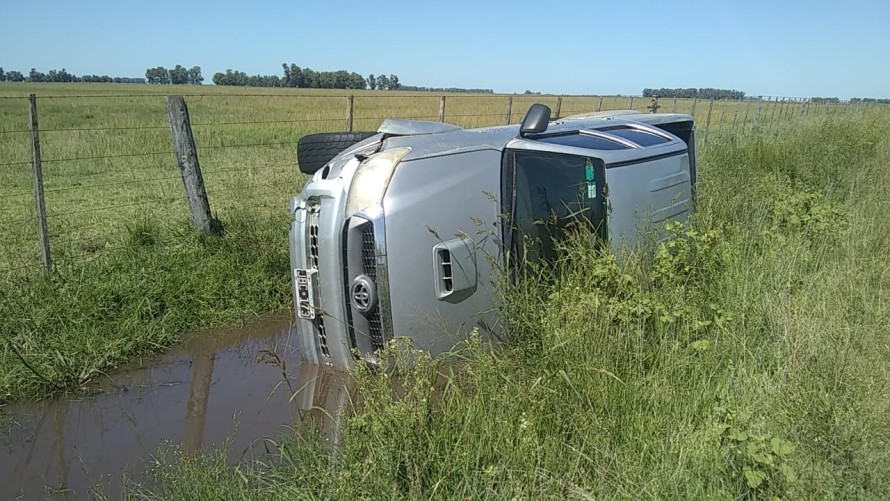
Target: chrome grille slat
pixel 314 214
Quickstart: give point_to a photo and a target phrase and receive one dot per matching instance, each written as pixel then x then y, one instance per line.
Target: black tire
pixel 315 150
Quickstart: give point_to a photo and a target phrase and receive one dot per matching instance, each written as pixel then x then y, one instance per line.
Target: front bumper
pixel 329 253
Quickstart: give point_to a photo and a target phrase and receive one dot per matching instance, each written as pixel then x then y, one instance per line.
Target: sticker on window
pixel 591 181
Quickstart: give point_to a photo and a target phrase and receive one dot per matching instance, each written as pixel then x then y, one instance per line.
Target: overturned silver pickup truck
pixel 385 238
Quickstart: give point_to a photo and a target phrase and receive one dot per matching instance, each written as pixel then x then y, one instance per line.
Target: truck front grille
pixel 313 262
pixel 369 268
pixel 360 259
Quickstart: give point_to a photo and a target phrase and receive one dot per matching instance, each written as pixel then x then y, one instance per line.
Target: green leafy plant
pixel 762 458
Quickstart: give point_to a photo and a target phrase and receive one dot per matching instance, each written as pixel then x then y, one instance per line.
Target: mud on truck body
pixel 384 240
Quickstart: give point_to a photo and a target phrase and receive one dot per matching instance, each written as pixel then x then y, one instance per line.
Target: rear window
pixel 640 137
pixel 585 141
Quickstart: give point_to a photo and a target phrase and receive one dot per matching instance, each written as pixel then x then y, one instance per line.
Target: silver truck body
pixel 399 234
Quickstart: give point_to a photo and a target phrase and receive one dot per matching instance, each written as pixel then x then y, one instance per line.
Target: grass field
pixel 108 160
pixel 748 359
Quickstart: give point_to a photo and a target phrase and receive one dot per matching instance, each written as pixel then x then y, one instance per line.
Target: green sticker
pixel 589 170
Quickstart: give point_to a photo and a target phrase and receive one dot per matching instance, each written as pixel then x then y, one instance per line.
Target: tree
pixel 383 82
pixel 356 81
pixel 195 77
pixel 393 82
pixel 159 75
pixel 15 76
pixel 372 82
pixel 296 75
pixel 179 75
pixel 36 76
pixel 310 79
pixel 2 75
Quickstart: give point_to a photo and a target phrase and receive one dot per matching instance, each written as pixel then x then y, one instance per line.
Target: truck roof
pixel 434 138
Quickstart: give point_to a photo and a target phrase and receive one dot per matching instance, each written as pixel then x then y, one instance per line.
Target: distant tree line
pixel 307 78
pixel 870 100
pixel 61 76
pixel 825 100
pixel 415 88
pixel 178 75
pixel 705 93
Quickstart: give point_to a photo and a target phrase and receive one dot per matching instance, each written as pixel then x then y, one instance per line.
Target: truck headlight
pixel 372 178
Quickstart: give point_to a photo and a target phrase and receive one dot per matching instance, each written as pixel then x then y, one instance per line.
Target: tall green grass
pixel 61 330
pixel 749 357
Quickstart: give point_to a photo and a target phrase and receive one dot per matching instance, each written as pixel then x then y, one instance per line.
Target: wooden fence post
pixel 42 227
pixel 674 108
pixel 747 110
pixel 189 169
pixel 442 109
pixel 349 102
pixel 630 105
pixel 708 121
pixel 735 117
pixel 558 107
pixel 757 113
pixel 509 117
pixel 599 106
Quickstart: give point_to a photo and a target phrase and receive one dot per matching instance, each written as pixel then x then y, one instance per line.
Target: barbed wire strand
pixel 100 209
pixel 6 164
pixel 102 157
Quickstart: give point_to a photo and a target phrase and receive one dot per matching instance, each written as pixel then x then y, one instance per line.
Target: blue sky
pixel 779 48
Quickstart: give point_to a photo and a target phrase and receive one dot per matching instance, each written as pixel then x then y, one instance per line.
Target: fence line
pixel 67 190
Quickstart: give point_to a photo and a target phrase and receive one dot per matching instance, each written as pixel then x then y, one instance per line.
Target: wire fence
pixel 108 165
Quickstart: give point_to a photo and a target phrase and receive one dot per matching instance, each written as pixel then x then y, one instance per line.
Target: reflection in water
pixel 214 391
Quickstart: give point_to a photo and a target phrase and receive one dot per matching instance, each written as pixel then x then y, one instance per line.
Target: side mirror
pixel 535 120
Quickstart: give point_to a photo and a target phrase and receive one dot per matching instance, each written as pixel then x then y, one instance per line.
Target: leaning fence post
pixel 442 109
pixel 349 102
pixel 189 169
pixel 630 105
pixel 708 121
pixel 735 116
pixel 558 107
pixel 599 106
pixel 42 227
pixel 757 113
pixel 509 116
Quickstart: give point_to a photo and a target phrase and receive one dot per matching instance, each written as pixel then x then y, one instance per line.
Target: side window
pixel 550 194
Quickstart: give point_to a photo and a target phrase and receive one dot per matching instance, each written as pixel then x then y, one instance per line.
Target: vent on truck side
pixel 446 275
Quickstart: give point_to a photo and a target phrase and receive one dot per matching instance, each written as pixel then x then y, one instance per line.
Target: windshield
pixel 548 194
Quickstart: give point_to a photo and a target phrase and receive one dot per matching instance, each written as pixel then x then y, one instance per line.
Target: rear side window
pixel 585 141
pixel 640 137
pixel 548 194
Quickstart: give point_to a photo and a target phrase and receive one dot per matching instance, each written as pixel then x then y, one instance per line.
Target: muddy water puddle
pixel 222 387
